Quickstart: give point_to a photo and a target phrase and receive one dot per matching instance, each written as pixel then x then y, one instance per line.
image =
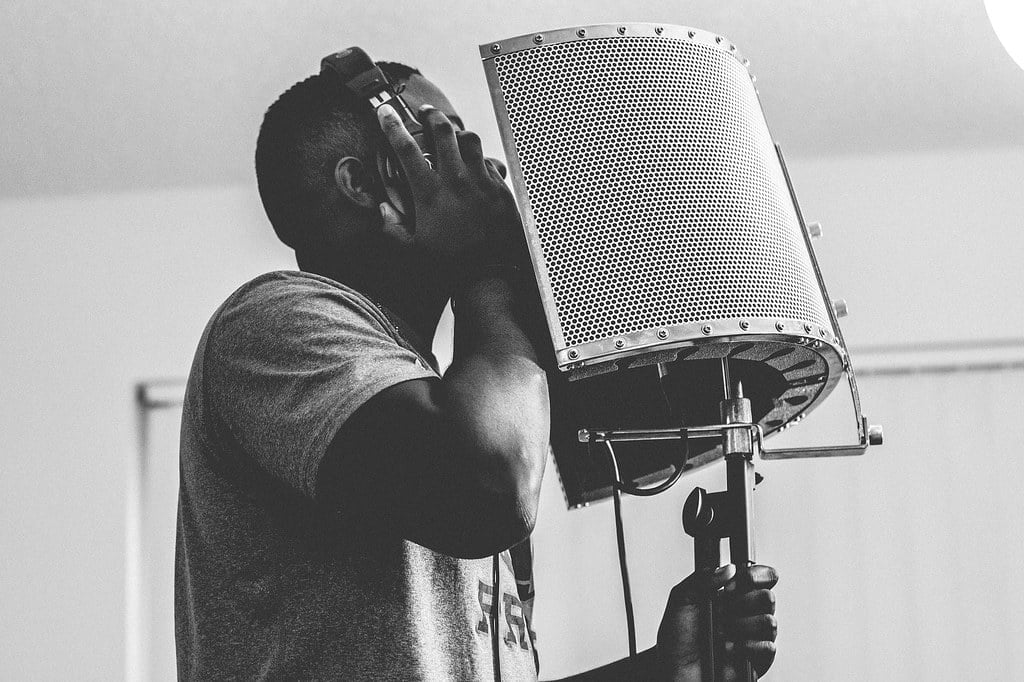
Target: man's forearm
pixel 497 392
pixel 489 317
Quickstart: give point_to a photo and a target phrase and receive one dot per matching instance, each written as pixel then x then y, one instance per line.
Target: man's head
pixel 317 168
pixel 316 160
pixel 305 133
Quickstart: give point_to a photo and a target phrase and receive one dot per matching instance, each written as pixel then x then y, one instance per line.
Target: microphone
pixel 666 242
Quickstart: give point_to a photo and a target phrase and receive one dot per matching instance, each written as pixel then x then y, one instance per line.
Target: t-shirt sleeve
pixel 288 360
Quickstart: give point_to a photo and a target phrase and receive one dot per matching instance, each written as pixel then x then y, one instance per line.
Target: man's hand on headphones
pixel 465 215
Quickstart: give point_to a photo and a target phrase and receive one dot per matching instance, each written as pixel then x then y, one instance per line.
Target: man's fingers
pixel 760 653
pixel 750 603
pixel 408 152
pixel 700 585
pixel 758 576
pixel 392 225
pixel 472 151
pixel 441 135
pixel 761 627
pixel 747 619
pixel 718 578
pixel 494 171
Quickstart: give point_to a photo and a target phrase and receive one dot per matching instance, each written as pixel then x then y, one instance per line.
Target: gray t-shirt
pixel 271 585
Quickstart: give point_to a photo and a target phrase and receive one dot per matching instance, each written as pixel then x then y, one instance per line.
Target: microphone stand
pixel 711 517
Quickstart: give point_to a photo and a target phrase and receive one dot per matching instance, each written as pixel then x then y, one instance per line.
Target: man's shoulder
pixel 286 296
pixel 289 317
pixel 284 283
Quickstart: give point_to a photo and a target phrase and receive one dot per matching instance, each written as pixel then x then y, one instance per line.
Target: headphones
pixel 364 80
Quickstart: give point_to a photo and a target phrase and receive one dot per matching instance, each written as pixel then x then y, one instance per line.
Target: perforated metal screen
pixel 654 187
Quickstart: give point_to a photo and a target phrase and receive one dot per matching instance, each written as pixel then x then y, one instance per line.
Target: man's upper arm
pixel 288 360
pixel 398 457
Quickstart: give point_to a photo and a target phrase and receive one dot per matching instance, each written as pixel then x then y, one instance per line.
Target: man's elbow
pixel 521 517
pixel 496 530
pixel 520 478
pixel 509 501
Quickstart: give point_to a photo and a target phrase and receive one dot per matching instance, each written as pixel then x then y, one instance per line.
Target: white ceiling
pixel 125 94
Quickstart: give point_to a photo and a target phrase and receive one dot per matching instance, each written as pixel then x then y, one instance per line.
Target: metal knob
pixel 875 435
pixel 840 307
pixel 814 230
pixel 697 512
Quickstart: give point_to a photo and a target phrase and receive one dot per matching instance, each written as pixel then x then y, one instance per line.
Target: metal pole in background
pixel 148 396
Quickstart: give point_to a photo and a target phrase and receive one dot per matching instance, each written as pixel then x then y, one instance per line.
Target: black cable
pixel 618 487
pixel 627 597
pixel 496 652
pixel 633 489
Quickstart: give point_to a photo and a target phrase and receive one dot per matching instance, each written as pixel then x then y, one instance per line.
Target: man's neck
pixel 412 298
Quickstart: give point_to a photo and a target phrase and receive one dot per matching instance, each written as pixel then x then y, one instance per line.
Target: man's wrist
pixel 491 281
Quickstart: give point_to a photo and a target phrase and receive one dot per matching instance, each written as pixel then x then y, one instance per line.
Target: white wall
pixel 97 292
pixel 924 247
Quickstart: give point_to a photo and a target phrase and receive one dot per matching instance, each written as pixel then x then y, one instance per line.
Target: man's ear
pixel 355 182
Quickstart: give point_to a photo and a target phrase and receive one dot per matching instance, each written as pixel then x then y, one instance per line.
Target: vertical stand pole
pixel 738 447
pixel 739 473
pixel 707 556
pixel 710 517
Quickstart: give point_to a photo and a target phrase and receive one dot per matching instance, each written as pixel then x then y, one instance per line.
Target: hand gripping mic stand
pixel 711 517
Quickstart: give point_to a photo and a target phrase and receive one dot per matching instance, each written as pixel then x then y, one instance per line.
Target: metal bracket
pixel 869 435
pixel 866 435
pixel 708 431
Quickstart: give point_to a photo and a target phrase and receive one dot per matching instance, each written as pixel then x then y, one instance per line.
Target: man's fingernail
pixel 386 112
pixel 425 107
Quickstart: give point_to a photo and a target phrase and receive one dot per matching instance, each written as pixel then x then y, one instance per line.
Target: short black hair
pixel 313 124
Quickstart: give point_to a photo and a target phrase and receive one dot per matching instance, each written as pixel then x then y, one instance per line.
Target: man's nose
pixel 500 166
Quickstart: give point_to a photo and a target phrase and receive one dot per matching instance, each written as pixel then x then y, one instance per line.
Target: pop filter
pixel 665 237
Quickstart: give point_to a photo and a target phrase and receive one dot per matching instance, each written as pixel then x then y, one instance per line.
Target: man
pixel 345 511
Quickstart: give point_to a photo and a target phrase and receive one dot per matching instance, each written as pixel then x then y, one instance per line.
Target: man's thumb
pixel 701 584
pixel 720 577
